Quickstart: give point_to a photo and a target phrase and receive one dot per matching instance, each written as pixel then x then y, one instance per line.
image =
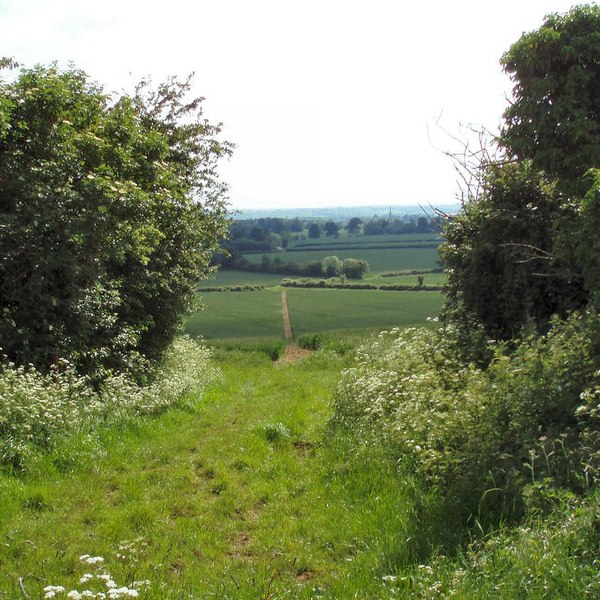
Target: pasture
pixel 316 310
pixel 238 315
pixel 379 259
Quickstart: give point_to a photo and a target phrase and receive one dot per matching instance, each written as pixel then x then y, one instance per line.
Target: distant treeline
pixel 271 234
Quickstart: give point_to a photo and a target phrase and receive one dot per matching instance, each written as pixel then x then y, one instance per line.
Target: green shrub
pixel 311 341
pixel 482 436
pixel 111 208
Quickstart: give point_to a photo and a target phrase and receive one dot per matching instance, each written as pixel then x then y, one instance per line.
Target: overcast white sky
pixel 330 102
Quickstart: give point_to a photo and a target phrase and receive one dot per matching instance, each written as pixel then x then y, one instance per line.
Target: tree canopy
pixel 525 248
pixel 554 116
pixel 110 210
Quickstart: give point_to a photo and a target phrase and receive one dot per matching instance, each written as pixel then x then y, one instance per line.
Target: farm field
pixel 230 277
pixel 315 310
pixel 259 314
pixel 355 240
pixel 238 315
pixel 379 259
pixel 428 279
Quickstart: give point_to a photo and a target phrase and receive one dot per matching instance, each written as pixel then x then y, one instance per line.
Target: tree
pixel 353 225
pixel 499 254
pixel 554 117
pixel 110 210
pixel 314 230
pixel 332 266
pixel 354 268
pixel 525 248
pixel 332 229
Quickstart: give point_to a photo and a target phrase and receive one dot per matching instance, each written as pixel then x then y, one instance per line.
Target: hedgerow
pixel 482 437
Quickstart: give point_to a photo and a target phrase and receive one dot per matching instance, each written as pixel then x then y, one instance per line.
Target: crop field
pixel 238 315
pixel 314 310
pixel 344 239
pixel 379 259
pixel 259 314
pixel 428 279
pixel 227 278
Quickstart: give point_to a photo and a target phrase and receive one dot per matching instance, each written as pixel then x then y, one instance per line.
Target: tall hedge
pixel 110 209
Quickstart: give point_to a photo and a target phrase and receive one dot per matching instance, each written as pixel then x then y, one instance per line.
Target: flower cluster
pixel 100 584
pixel 36 408
pixel 481 435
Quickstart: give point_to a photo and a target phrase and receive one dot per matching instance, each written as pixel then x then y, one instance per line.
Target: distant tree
pixel 313 269
pixel 258 234
pixel 266 264
pixel 353 225
pixel 332 266
pixel 296 225
pixel 332 229
pixel 423 225
pixel 314 230
pixel 354 268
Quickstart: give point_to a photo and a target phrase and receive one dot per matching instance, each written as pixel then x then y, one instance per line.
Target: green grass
pixel 240 498
pixel 428 279
pixel 357 240
pixel 238 315
pixel 227 277
pixel 316 310
pixel 250 495
pixel 381 259
pixel 258 314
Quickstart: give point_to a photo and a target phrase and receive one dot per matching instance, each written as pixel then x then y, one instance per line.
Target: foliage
pixel 38 409
pixel 500 258
pixel 524 249
pixel 553 118
pixel 332 266
pixel 551 558
pixel 353 225
pixel 354 268
pixel 314 230
pixel 482 436
pixel 110 209
pixel 331 229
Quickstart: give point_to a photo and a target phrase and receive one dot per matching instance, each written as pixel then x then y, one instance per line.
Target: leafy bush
pixel 482 436
pixel 36 408
pixel 110 210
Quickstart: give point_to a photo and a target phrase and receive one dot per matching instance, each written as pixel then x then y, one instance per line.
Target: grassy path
pixel 243 497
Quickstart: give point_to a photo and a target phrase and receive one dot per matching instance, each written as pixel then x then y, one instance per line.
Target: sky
pixel 329 102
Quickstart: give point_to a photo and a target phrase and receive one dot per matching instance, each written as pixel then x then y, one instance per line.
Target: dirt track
pixel 287 324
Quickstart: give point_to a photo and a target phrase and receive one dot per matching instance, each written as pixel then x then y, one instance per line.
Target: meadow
pixel 251 492
pixel 314 311
pixel 379 259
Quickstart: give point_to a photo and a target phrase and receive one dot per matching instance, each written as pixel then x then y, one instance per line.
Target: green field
pixel 226 277
pixel 379 259
pixel 315 310
pixel 428 279
pixel 258 314
pixel 238 315
pixel 355 240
